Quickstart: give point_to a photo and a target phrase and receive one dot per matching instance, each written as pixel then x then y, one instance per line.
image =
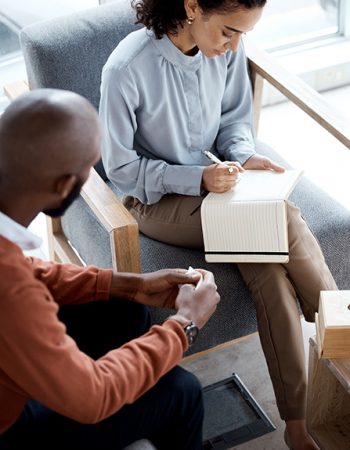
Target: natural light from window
pixel 290 22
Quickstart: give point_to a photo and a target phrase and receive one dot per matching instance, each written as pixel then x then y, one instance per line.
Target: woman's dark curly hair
pixel 164 16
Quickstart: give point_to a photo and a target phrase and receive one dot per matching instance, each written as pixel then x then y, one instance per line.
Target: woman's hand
pixel 218 178
pixel 158 288
pixel 260 162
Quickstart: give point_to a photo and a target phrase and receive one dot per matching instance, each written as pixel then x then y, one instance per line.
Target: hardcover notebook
pixel 249 223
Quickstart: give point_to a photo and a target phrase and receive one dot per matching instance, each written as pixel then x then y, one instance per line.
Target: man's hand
pixel 218 178
pixel 260 162
pixel 198 303
pixel 153 289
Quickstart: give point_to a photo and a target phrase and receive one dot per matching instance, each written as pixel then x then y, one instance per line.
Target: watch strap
pixel 190 328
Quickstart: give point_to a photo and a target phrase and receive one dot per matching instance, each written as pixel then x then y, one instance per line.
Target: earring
pixel 190 20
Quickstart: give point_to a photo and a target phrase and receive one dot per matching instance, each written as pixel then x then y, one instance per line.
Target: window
pixel 291 22
pixel 16 14
pixel 8 37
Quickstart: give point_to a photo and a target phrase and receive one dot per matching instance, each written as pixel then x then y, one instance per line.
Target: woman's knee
pixel 263 276
pixel 298 229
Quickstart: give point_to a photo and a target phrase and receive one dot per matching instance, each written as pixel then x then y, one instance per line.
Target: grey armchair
pixel 69 53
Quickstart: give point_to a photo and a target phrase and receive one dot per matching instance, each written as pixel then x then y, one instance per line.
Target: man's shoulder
pixel 9 249
pixel 14 266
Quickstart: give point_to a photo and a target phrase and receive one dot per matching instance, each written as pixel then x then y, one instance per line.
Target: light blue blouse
pixel 161 108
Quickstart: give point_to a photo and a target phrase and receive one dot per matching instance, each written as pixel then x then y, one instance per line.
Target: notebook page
pixel 255 227
pixel 259 185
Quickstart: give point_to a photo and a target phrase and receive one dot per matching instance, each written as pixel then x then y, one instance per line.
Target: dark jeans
pixel 170 414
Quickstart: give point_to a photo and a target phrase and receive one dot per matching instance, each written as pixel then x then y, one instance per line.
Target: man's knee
pixel 185 381
pixel 185 387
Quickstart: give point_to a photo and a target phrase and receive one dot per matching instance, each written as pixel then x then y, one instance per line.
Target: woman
pixel 171 90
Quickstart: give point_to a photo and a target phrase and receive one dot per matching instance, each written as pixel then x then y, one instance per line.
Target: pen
pixel 216 160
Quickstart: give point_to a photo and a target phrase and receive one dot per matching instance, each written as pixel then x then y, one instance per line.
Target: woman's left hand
pixel 260 162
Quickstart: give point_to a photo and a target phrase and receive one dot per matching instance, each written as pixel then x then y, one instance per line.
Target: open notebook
pixel 249 223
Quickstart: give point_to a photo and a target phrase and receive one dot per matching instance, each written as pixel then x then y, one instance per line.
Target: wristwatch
pixel 191 331
pixel 190 328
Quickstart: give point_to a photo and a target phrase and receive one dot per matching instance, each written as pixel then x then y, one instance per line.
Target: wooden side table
pixel 328 403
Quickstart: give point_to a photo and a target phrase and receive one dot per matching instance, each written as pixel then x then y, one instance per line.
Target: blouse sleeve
pixel 235 139
pixel 144 178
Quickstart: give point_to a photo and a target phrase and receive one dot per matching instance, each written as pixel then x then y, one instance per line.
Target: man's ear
pixel 64 185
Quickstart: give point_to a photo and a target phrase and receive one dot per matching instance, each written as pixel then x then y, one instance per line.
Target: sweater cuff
pixel 103 285
pixel 176 327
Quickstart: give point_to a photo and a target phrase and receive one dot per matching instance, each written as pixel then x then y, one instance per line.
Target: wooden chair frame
pixel 114 217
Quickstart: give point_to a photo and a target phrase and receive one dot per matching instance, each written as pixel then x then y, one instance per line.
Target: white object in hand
pixel 191 270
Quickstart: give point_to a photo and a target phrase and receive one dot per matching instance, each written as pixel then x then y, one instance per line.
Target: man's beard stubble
pixel 59 211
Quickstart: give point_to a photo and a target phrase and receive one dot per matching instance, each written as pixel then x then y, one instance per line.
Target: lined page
pixel 249 223
pixel 245 227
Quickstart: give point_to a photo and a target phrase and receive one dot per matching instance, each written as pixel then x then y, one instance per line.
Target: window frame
pixel 344 19
pixel 319 38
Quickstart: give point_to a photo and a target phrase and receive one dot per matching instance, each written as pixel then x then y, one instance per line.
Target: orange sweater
pixel 38 360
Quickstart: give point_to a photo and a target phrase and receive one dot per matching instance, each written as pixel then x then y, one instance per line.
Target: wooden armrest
pixel 116 219
pixel 15 89
pixel 107 207
pixel 299 92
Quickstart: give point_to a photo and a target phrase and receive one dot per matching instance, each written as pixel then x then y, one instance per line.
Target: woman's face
pixel 217 33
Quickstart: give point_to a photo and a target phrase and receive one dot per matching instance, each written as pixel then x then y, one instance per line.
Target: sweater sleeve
pixel 44 363
pixel 69 283
pixel 235 140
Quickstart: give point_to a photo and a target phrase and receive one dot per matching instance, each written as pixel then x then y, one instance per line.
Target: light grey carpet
pixel 246 359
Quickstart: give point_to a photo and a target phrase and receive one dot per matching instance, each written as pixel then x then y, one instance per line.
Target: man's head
pixel 49 140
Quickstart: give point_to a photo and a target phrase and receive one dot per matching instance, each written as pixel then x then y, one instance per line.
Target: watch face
pixel 191 332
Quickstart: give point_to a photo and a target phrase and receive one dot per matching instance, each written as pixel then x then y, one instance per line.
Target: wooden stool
pixel 328 403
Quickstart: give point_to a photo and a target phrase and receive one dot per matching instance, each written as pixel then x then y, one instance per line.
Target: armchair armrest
pixel 108 209
pixel 13 90
pixel 299 92
pixel 118 222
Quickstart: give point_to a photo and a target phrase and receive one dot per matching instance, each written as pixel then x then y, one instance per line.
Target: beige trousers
pixel 275 288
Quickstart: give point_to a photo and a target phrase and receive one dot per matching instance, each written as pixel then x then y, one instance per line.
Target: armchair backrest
pixel 69 52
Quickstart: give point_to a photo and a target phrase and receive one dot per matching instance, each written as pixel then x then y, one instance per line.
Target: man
pixel 107 379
